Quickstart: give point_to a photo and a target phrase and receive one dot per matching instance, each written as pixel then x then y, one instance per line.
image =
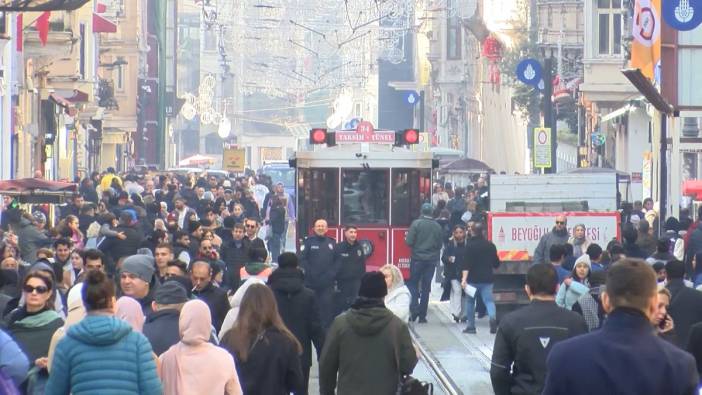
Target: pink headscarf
pixel 128 309
pixel 195 366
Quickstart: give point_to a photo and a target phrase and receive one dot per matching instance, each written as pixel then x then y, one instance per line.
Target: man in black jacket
pixel 625 356
pixel 235 254
pixel 117 248
pixel 203 289
pixel 252 227
pixel 453 258
pixel 351 261
pixel 161 327
pixel 526 336
pixel 481 260
pixel 298 308
pixel 685 303
pixel 317 261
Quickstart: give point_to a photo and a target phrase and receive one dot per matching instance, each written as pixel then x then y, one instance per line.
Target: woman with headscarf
pixel 76 312
pixel 193 365
pixel 398 297
pixel 129 310
pixel 579 241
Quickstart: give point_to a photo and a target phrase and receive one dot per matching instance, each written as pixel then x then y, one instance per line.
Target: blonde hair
pixel 397 280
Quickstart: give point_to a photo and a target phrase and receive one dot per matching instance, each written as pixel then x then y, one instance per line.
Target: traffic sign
pixel 598 138
pixel 529 71
pixel 234 159
pixel 542 147
pixel 682 15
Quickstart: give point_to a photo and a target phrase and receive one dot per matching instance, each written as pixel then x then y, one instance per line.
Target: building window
pixel 119 78
pixel 453 33
pixel 609 29
pixel 210 40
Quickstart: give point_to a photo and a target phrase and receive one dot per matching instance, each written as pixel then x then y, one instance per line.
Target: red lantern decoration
pixel 492 49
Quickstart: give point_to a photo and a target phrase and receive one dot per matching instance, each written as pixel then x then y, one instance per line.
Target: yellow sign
pixel 646 32
pixel 234 159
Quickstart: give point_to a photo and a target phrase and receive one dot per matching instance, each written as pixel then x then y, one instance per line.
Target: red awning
pixel 61 101
pixel 30 184
pixel 78 97
pixel 103 25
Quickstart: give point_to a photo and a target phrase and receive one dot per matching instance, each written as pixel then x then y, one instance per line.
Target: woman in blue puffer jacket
pixel 101 353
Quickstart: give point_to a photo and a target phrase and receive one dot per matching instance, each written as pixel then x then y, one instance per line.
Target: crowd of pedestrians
pixel 181 285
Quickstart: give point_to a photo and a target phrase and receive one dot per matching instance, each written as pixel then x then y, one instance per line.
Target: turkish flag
pixel 20 31
pixel 103 25
pixel 42 26
pixel 100 8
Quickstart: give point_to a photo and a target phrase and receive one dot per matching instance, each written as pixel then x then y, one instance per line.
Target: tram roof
pixel 364 155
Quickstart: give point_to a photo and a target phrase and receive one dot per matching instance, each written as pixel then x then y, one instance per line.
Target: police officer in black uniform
pixel 351 262
pixel 320 267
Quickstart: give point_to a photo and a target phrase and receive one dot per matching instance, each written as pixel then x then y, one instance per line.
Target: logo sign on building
pixel 542 147
pixel 234 160
pixel 682 15
pixel 365 133
pixel 412 98
pixel 529 72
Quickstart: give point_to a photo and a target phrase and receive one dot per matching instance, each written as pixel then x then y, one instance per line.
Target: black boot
pixel 493 326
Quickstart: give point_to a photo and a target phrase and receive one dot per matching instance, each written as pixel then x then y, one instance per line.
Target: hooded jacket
pixel 425 237
pixel 297 306
pixel 13 362
pixel 368 347
pixel 103 352
pixel 161 329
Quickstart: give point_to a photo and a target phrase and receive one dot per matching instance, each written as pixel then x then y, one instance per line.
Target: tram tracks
pixel 441 377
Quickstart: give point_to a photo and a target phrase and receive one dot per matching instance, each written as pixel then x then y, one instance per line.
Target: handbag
pixel 408 385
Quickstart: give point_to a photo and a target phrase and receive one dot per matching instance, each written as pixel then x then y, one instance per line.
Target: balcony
pixel 59 43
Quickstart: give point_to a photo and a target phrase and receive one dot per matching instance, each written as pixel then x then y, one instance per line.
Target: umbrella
pixel 197 160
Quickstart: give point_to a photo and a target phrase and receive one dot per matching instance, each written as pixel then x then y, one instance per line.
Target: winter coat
pixel 481 260
pixel 297 306
pixel 624 357
pixel 33 332
pixel 368 347
pixel 13 362
pixel 234 258
pixel 398 302
pixel 685 308
pixel 579 246
pixel 317 259
pixel 425 237
pixel 569 294
pixel 272 367
pixel 116 248
pixel 646 243
pixel 30 239
pixel 452 270
pixel 541 253
pixel 217 301
pixel 525 338
pixel 161 329
pixel 590 307
pixel 694 345
pixel 102 352
pixel 351 261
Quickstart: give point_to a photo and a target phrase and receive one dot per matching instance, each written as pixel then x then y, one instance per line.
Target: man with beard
pixel 557 235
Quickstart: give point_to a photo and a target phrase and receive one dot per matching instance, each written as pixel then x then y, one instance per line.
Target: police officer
pixel 351 261
pixel 320 267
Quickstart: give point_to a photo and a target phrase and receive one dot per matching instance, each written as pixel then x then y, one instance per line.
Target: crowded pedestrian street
pixel 352 197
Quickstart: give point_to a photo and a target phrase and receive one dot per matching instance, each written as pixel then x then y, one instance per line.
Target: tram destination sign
pixel 365 133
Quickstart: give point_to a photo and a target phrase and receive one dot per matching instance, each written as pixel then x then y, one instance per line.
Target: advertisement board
pixel 522 231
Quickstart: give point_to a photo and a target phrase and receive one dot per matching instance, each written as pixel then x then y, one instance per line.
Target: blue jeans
pixel 419 284
pixel 697 280
pixel 485 290
pixel 274 246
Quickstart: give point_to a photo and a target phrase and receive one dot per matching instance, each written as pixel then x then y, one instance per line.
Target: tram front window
pixel 365 197
pixel 410 188
pixel 318 198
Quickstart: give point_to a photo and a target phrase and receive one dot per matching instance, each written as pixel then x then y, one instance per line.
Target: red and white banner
pixel 522 231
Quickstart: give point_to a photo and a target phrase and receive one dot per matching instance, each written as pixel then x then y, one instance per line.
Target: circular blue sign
pixel 682 15
pixel 412 97
pixel 351 124
pixel 529 71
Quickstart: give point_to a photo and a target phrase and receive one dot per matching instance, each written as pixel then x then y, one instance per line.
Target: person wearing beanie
pixel 161 327
pixel 367 347
pixel 576 285
pixel 298 309
pixel 137 280
pixel 425 238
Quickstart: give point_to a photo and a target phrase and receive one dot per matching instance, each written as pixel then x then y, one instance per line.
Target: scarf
pixel 38 320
